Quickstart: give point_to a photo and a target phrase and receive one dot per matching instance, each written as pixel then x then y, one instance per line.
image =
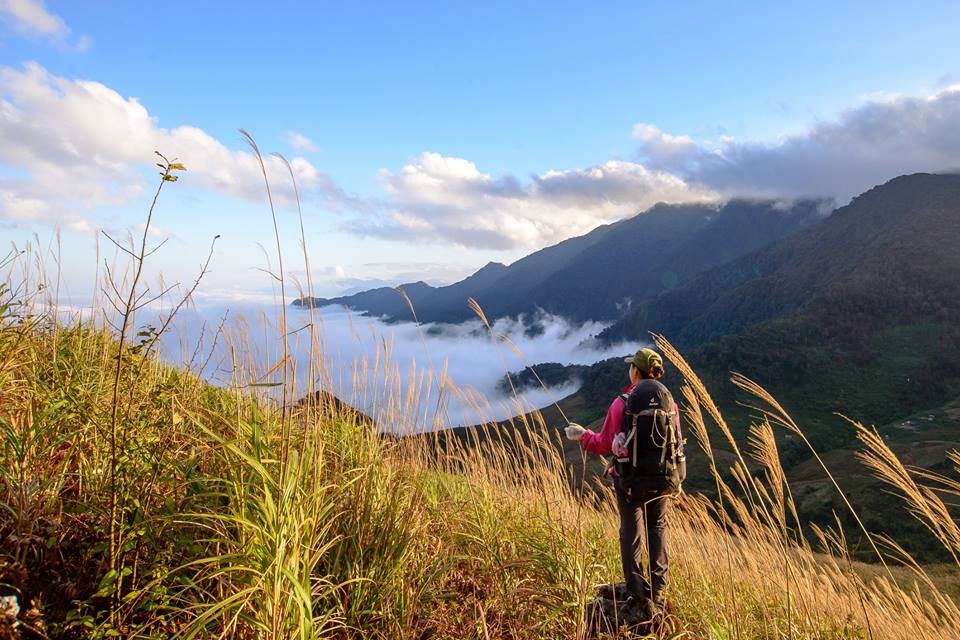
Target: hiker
pixel 642 429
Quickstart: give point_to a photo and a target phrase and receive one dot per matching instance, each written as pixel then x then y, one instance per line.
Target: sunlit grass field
pixel 138 500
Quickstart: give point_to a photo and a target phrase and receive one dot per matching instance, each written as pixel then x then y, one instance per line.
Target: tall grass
pixel 247 513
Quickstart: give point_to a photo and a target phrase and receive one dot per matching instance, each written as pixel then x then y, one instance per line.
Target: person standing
pixel 642 429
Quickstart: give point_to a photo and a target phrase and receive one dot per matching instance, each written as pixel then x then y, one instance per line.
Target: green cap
pixel 645 360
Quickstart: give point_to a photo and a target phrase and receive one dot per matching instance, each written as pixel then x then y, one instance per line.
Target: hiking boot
pixel 654 610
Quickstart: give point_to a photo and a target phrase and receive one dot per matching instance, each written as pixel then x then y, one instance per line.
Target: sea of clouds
pixel 408 377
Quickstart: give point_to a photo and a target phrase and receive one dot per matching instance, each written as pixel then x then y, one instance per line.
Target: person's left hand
pixel 574 431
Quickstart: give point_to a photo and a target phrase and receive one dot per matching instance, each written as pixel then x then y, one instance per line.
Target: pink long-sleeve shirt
pixel 601 443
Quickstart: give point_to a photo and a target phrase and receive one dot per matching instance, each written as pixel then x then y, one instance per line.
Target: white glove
pixel 574 431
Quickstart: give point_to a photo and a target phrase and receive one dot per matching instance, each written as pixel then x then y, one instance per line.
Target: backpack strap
pixel 631 436
pixel 668 441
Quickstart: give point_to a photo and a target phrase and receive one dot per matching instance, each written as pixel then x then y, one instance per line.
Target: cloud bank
pixel 377 367
pixel 77 145
pixel 865 146
pixel 73 146
pixel 448 199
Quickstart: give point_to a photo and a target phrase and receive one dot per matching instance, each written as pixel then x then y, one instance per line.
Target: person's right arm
pixel 600 443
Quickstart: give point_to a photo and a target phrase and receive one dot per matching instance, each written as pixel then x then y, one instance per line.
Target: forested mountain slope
pixel 598 276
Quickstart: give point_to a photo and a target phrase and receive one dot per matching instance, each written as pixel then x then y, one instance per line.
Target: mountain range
pixel 858 313
pixel 893 253
pixel 600 275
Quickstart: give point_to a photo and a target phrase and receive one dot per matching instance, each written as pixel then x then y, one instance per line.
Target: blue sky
pixel 430 138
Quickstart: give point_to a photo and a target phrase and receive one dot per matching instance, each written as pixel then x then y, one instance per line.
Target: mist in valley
pixel 407 377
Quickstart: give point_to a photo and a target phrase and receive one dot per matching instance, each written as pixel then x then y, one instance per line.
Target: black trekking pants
pixel 649 507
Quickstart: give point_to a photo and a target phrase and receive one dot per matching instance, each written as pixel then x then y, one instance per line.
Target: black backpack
pixel 651 435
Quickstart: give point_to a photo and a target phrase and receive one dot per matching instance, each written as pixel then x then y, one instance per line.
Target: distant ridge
pixel 893 252
pixel 598 276
pixel 859 314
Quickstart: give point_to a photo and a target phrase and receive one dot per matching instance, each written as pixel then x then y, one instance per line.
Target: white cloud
pixel 157 233
pixel 31 17
pixel 17 209
pixel 374 365
pixel 886 136
pixel 77 145
pixel 448 199
pixel 300 142
pixel 660 145
pixel 83 145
